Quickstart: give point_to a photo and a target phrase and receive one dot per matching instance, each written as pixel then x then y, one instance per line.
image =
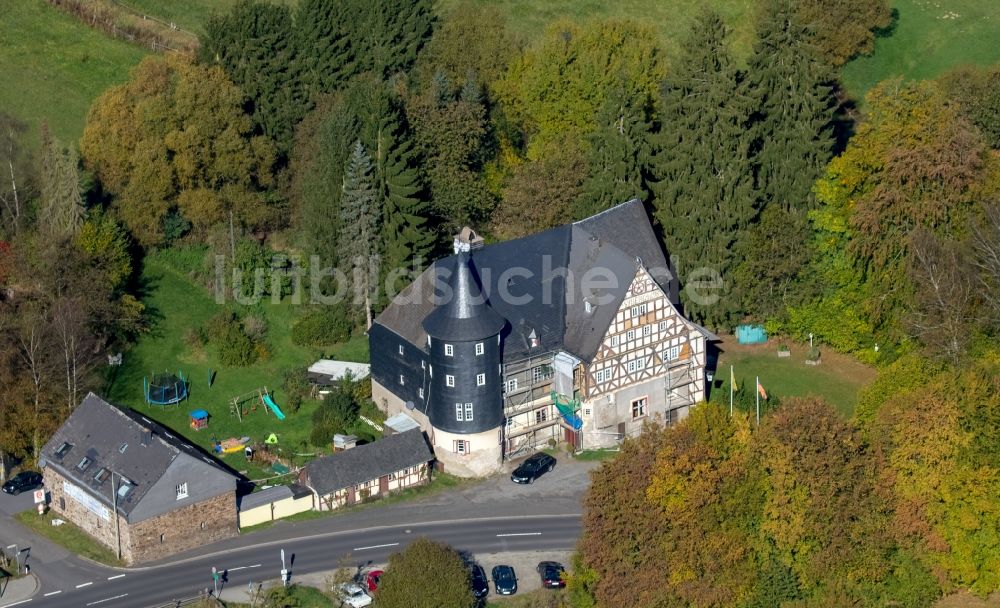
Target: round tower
pixel 465 397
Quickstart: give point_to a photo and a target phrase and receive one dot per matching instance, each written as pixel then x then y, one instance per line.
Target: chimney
pixel 147 437
pixel 467 240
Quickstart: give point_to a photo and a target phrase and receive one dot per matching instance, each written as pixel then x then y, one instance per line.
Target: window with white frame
pixel 461 447
pixel 402 380
pixel 182 490
pixel 639 309
pixel 615 339
pixel 663 326
pixel 449 380
pixel 460 412
pixel 671 353
pixel 602 375
pixel 636 364
pixel 541 416
pixel 630 335
pixel 449 350
pixel 480 379
pixel 647 330
pixel 510 386
pixel 468 412
pixel 480 349
pixel 401 349
pixel 541 372
pixel 639 407
pixel 420 392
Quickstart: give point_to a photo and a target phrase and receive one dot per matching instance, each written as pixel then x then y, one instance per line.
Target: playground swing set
pixel 247 403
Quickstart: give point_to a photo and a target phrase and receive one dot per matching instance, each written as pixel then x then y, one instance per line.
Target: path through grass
pixel 930 37
pixel 54 66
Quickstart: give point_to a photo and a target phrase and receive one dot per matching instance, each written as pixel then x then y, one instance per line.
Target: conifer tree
pixel 704 182
pixel 361 217
pixel 324 50
pixel 790 87
pixel 390 33
pixel 61 210
pixel 618 156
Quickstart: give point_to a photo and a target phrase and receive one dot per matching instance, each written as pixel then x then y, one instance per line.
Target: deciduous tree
pixel 844 28
pixel 406 584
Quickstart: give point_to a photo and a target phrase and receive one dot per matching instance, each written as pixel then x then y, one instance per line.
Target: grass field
pixel 177 305
pixel 54 66
pixel 837 379
pixel 68 536
pixel 930 37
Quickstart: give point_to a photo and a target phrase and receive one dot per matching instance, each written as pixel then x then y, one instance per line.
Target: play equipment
pixel 165 388
pixel 199 419
pixel 258 397
pixel 751 334
pixel 274 407
pixel 272 439
pixel 228 446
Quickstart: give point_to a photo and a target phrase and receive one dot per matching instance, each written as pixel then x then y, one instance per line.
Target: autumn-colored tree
pixel 406 583
pixel 175 141
pixel 556 87
pixel 844 28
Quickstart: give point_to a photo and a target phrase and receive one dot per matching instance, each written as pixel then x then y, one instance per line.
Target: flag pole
pixel 758 400
pixel 731 376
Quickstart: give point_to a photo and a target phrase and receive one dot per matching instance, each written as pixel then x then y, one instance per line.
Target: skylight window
pixel 101 475
pixel 63 449
pixel 122 448
pixel 125 488
pixel 83 464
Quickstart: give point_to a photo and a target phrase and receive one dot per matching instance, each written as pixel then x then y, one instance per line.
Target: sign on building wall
pixel 88 501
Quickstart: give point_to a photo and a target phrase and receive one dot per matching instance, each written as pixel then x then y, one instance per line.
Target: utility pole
pixel 114 503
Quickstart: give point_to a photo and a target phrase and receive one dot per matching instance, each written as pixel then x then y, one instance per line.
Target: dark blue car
pixel 504 580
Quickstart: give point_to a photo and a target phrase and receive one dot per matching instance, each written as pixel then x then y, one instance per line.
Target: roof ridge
pixel 608 210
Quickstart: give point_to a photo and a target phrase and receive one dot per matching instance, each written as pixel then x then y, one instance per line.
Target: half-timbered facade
pixel 570 334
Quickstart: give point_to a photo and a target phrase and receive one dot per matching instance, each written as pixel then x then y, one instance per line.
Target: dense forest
pixel 360 135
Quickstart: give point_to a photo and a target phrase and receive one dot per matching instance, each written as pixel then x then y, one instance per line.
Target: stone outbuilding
pixel 374 469
pixel 134 485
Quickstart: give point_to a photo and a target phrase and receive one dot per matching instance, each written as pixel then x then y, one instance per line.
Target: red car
pixel 553 574
pixel 371 580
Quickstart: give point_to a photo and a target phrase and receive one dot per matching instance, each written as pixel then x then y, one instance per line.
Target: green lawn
pixel 177 304
pixel 300 596
pixel 67 535
pixel 837 379
pixel 672 19
pixel 930 37
pixel 54 66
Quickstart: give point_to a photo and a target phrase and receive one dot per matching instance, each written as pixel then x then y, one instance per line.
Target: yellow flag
pixel 732 379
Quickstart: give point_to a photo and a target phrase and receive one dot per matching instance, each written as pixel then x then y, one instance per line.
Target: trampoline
pixel 165 388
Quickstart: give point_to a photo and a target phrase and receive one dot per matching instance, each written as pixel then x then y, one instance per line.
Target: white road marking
pixel 85 584
pixel 520 534
pixel 376 546
pixel 237 568
pixel 53 593
pixel 111 578
pixel 19 603
pixel 107 599
pixel 254 566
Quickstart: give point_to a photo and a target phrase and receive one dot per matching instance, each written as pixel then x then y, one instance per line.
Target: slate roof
pixel 617 240
pixel 111 437
pixel 367 462
pixel 463 315
pixel 269 495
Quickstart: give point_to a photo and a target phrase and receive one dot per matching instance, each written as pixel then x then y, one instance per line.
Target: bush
pixel 297 386
pixel 322 326
pixel 255 327
pixel 226 332
pixel 336 414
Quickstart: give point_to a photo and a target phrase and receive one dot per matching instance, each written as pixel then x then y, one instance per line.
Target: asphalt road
pixel 492 516
pixel 156 585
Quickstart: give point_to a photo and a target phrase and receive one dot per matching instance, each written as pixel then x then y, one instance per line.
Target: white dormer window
pixel 480 349
pixel 428 341
pixel 480 379
pixel 449 380
pixel 182 490
pixel 401 349
pixel 420 392
pixel 449 350
pixel 402 380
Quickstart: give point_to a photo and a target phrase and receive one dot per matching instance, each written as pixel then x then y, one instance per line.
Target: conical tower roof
pixel 464 315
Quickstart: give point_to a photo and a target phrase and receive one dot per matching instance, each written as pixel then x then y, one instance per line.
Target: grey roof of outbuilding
pixel 98 429
pixel 617 240
pixel 269 495
pixel 463 314
pixel 367 462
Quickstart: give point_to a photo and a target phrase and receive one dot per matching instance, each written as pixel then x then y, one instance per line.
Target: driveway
pixel 12 505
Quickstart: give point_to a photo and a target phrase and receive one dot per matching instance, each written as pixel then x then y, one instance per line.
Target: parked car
pixel 504 580
pixel 480 586
pixel 372 579
pixel 353 595
pixel 533 468
pixel 23 482
pixel 552 574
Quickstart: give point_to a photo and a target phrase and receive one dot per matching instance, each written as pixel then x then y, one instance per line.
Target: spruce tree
pixel 360 218
pixel 61 210
pixel 390 33
pixel 618 155
pixel 704 180
pixel 323 39
pixel 790 86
